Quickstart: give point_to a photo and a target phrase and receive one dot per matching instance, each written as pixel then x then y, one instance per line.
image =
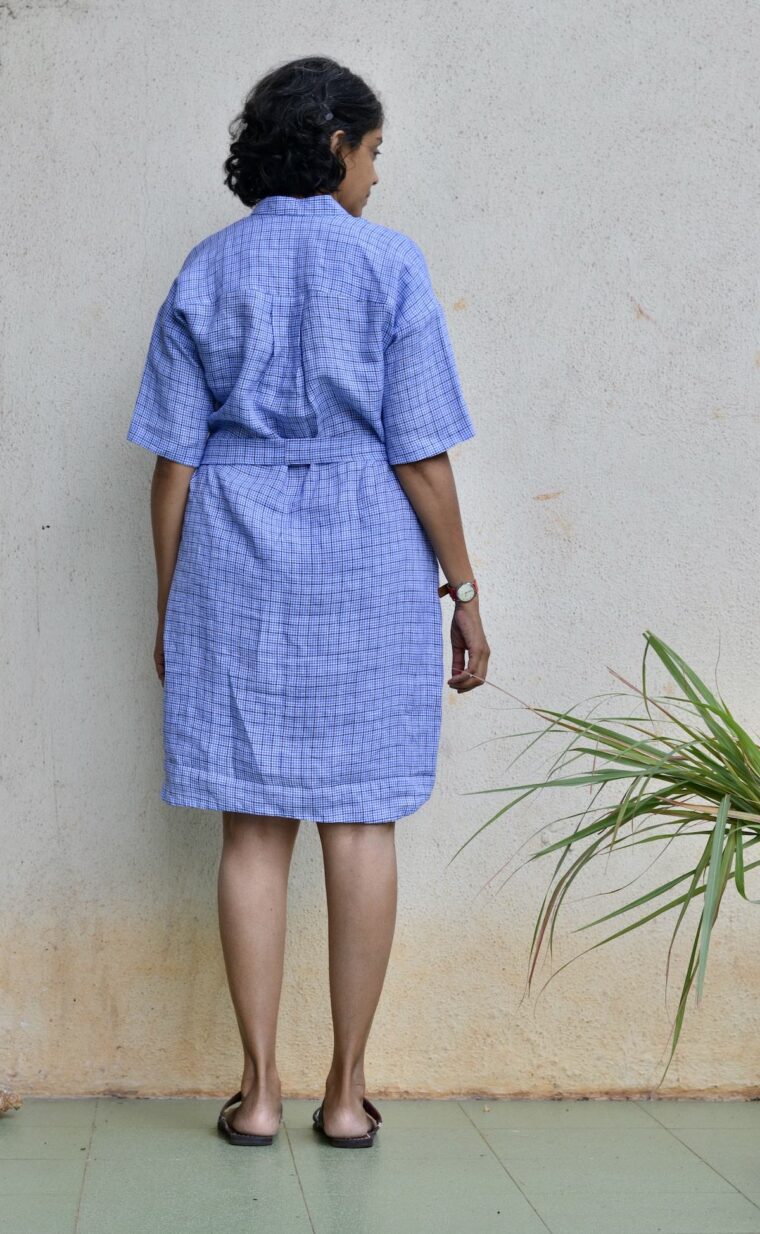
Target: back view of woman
pixel 300 392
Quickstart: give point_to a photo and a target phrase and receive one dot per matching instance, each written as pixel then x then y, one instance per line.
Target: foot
pixel 258 1113
pixel 343 1115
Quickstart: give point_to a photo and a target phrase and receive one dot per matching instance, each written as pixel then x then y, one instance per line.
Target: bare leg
pixel 252 900
pixel 361 885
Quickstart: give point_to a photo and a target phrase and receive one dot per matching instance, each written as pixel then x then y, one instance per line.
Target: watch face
pixel 465 592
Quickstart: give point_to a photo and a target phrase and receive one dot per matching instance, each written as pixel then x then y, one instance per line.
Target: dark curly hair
pixel 281 138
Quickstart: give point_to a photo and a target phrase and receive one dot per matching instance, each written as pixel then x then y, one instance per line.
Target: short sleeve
pixel 170 415
pixel 424 411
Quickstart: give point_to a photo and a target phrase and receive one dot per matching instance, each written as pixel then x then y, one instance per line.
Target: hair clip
pixel 329 116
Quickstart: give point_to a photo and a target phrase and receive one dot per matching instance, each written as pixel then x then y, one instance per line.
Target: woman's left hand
pixel 158 651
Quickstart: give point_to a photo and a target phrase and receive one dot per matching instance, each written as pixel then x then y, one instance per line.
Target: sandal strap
pixel 372 1110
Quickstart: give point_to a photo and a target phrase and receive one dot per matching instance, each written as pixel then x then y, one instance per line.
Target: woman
pixel 300 392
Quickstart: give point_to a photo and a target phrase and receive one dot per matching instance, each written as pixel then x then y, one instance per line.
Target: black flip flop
pixel 240 1137
pixel 351 1141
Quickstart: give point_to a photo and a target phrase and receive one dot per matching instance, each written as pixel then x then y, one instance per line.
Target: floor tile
pixel 653 1210
pixel 239 1190
pixel 729 1114
pixel 27 1176
pixel 20 1137
pixel 553 1114
pixel 734 1154
pixel 39 1214
pixel 591 1158
pixel 56 1112
pixel 159 1166
pixel 172 1129
pixel 411 1181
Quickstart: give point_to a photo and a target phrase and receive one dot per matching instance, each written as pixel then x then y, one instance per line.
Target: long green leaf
pixel 713 893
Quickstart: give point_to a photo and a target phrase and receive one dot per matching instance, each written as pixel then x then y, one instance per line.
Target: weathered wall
pixel 583 179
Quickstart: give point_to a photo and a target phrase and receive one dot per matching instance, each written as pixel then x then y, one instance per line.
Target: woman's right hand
pixel 467 634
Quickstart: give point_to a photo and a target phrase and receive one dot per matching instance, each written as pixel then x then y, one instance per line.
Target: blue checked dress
pixel 299 354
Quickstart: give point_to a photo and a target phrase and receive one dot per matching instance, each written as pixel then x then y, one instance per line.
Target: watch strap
pixel 452 590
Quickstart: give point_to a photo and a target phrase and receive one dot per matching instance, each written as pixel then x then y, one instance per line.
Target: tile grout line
pixel 715 1169
pixel 642 1105
pixel 86 1167
pixel 671 1133
pixel 298 1176
pixel 503 1167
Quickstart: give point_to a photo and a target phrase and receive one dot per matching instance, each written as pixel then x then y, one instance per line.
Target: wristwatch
pixel 459 591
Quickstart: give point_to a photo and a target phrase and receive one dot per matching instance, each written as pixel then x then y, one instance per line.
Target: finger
pixel 457 660
pixel 477 666
pixel 479 669
pixel 460 671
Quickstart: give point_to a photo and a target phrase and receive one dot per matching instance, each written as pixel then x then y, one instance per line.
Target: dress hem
pixel 336 803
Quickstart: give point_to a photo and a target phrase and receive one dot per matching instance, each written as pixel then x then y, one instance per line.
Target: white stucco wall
pixel 584 181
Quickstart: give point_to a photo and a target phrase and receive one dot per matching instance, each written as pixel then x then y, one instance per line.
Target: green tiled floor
pixel 111 1166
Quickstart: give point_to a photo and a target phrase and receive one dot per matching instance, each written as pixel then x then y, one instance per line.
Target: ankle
pixel 346 1084
pixel 259 1083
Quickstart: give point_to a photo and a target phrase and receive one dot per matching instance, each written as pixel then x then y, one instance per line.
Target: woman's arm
pixel 168 497
pixel 429 484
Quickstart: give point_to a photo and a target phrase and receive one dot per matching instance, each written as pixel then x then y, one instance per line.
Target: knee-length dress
pixel 300 353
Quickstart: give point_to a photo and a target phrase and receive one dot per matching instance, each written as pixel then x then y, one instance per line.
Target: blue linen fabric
pixel 300 354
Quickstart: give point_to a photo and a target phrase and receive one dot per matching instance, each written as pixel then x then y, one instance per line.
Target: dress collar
pixel 280 203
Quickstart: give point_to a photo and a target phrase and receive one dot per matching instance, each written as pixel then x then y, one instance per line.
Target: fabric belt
pixel 224 447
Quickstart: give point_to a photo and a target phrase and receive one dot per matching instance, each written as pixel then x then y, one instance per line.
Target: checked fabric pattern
pixel 300 354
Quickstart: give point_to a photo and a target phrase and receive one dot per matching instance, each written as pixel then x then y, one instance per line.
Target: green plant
pixel 708 773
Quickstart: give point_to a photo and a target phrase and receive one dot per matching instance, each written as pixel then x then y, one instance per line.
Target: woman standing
pixel 300 392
